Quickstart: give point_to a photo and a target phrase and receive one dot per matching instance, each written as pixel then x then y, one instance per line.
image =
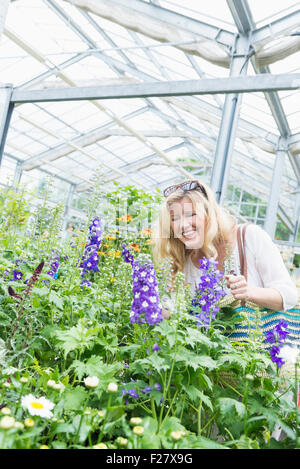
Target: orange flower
pixel 135 247
pixel 125 218
pixel 146 231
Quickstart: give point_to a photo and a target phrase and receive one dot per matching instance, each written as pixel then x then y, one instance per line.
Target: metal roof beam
pixel 234 84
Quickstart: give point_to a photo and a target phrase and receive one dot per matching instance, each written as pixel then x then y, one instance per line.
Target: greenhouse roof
pixel 158 57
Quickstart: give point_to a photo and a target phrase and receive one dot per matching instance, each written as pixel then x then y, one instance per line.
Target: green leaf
pixel 195 361
pixel 232 359
pixel 158 363
pixel 194 336
pixel 78 337
pixel 56 300
pixel 201 442
pixel 74 398
pixel 195 395
pixel 229 408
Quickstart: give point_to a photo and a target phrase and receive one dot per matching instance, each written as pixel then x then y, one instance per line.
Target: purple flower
pixel 156 348
pixel 133 393
pixel 208 292
pixel 17 275
pixel 54 266
pixel 146 389
pixel 90 258
pixel 146 306
pixel 157 387
pixel 277 337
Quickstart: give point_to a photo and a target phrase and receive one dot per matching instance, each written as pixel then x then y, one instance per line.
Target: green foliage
pixel 75 346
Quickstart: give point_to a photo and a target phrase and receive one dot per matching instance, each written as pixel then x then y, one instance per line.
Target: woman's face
pixel 187 223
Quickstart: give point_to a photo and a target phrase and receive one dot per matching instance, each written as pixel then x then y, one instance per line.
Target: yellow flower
pixel 117 253
pixel 138 430
pixel 113 279
pixel 125 218
pixel 100 446
pixel 44 447
pixel 29 423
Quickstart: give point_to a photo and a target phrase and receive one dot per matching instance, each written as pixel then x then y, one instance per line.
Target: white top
pixel 265 266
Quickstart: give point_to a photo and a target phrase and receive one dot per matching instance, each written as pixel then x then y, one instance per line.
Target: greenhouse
pixel 149 226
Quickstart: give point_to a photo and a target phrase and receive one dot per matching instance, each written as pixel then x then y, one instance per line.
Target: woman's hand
pixel 239 287
pixel 263 297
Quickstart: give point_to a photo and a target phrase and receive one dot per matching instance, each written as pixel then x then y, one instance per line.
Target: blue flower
pixel 146 306
pixel 133 393
pixel 277 337
pixel 90 258
pixel 156 348
pixel 208 292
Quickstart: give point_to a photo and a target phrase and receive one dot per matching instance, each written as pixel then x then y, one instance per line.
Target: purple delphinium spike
pixel 90 258
pixel 208 292
pixel 277 337
pixel 145 306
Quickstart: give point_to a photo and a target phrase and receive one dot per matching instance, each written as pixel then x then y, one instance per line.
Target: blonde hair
pixel 217 230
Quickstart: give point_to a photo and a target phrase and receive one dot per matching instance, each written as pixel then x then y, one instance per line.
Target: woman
pixel 192 226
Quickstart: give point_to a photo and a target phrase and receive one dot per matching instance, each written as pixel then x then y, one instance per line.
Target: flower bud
pixel 7 422
pixel 135 421
pixel 5 411
pixel 91 382
pixel 19 425
pixel 29 423
pixel 138 430
pixel 177 435
pixel 122 441
pixel 100 446
pixel 112 387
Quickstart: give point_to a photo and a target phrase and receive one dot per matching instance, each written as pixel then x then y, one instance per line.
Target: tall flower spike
pixel 146 306
pixel 33 279
pixel 208 292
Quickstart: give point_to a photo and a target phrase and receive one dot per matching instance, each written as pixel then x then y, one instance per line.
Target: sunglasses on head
pixel 185 186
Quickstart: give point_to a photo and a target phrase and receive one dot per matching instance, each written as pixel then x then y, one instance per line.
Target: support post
pixel 273 202
pixel 68 205
pixel 6 109
pixel 227 132
pixel 17 175
pixel 296 217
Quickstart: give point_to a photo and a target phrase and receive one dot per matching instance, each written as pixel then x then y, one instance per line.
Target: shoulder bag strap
pixel 242 250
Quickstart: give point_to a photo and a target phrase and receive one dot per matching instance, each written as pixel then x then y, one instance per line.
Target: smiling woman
pixel 192 226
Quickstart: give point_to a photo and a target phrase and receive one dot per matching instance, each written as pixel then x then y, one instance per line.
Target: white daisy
pixel 37 406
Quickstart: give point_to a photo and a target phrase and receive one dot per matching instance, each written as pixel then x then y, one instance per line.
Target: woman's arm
pixel 277 290
pixel 264 297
